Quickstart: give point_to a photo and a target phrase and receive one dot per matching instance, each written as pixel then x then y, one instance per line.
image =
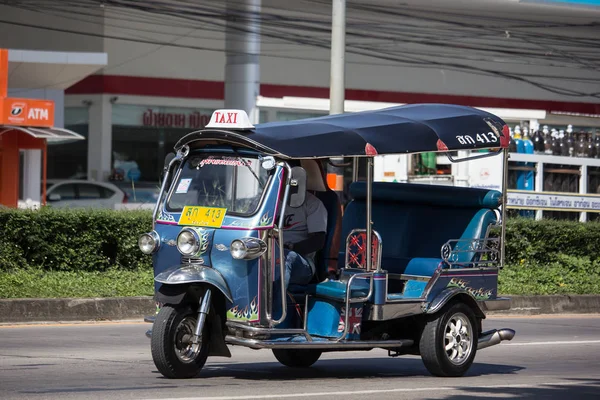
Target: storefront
pixel 32 116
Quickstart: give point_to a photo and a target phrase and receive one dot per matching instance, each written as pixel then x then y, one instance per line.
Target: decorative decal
pixel 204 242
pixel 265 220
pixel 221 247
pixel 231 161
pixel 184 185
pixel 479 294
pixel 249 313
pixel 354 320
pixel 166 217
pixel 170 242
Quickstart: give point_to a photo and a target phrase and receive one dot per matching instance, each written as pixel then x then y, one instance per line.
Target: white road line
pixel 382 391
pixel 552 343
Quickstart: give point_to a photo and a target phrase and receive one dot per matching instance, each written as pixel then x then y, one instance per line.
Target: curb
pixel 132 308
pixel 90 309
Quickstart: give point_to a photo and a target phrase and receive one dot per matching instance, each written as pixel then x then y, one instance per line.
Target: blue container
pixel 326 318
pixel 379 288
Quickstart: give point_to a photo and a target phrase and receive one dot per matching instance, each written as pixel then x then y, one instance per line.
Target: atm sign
pixel 27 112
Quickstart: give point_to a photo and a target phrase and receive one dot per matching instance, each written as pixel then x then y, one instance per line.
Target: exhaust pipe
pixel 494 337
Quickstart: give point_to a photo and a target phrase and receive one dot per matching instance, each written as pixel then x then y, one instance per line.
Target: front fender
pixel 181 274
pixel 453 293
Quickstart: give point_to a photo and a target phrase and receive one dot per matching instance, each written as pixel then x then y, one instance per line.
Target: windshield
pixel 234 183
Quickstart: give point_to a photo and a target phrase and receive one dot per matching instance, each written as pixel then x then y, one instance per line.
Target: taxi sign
pixel 230 119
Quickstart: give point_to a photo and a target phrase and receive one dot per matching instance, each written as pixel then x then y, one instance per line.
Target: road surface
pixel 550 357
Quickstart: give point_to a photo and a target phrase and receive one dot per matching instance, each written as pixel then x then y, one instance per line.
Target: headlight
pixel 238 249
pixel 187 242
pixel 149 242
pixel 247 248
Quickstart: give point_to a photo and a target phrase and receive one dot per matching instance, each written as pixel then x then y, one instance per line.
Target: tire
pixel 301 358
pixel 171 343
pixel 449 342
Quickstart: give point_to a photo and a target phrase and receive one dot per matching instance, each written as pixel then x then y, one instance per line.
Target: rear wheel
pixel 173 352
pixel 449 342
pixel 300 358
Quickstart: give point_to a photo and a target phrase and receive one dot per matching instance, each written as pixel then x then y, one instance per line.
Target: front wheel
pixel 173 352
pixel 300 358
pixel 449 342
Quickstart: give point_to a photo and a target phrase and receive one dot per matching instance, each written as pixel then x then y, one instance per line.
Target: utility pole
pixel 338 58
pixel 337 86
pixel 242 47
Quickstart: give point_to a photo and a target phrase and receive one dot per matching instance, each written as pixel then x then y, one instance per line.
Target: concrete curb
pixel 132 308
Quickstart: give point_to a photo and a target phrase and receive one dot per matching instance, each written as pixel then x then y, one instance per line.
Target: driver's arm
pixel 313 243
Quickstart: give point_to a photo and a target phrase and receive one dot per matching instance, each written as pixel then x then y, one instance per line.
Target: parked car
pixel 146 193
pixel 79 193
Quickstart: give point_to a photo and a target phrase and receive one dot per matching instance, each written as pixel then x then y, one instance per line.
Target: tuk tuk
pixel 408 268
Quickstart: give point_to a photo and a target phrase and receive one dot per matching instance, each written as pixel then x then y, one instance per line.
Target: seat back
pixel 415 221
pixel 326 258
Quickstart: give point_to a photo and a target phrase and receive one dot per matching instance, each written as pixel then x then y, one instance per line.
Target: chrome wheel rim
pixel 184 348
pixel 458 338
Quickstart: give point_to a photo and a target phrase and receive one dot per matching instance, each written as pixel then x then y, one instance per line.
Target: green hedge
pixel 85 246
pixel 72 240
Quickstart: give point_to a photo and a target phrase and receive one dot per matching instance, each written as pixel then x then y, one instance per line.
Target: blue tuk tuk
pixel 409 268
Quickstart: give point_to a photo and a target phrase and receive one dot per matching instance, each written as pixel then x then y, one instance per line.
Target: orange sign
pixel 26 112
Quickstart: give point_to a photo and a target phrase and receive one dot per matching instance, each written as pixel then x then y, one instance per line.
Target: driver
pixel 304 232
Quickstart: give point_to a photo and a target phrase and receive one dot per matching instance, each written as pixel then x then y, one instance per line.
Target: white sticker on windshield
pixel 184 186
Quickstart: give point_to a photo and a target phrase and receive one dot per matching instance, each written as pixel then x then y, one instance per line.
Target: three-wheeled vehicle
pixel 409 268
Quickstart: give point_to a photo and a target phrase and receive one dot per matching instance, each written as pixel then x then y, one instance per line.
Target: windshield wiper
pixel 240 158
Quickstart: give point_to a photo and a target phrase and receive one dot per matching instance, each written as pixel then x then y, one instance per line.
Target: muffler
pixel 493 337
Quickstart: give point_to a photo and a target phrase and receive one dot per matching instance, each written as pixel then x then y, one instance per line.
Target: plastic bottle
pixel 512 146
pixel 528 149
pixel 547 140
pixel 519 140
pixel 520 149
pixel 581 145
pixel 555 143
pixel 570 139
pixel 538 142
pixel 589 142
pixel 564 146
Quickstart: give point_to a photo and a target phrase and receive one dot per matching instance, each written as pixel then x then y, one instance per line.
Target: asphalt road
pixel 551 357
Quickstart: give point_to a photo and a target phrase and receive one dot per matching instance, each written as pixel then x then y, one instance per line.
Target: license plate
pixel 210 217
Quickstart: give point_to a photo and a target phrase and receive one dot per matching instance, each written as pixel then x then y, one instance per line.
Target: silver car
pixel 83 194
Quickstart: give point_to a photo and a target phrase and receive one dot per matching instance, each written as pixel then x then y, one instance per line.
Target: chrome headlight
pixel 188 242
pixel 247 248
pixel 149 242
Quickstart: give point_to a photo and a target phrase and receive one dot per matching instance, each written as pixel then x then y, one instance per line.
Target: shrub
pixel 72 240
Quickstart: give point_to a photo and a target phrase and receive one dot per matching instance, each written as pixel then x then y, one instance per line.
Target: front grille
pixel 192 260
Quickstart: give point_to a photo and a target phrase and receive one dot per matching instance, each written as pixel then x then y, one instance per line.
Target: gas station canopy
pixel 32 69
pixel 52 135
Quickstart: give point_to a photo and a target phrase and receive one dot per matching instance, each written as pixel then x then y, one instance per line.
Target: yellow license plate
pixel 210 217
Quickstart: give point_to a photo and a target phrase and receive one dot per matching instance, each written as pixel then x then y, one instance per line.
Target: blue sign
pixel 134 174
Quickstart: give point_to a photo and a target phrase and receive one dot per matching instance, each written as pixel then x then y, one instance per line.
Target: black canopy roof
pixel 405 129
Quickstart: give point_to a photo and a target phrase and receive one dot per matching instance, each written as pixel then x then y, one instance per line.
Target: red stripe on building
pixel 200 89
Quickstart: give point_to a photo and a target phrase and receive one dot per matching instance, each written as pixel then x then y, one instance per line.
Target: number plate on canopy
pixel 210 217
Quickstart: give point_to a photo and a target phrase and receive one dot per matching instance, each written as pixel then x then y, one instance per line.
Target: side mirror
pixel 53 197
pixel 298 183
pixel 168 158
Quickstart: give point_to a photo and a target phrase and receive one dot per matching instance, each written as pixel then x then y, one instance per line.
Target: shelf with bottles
pixel 581 143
